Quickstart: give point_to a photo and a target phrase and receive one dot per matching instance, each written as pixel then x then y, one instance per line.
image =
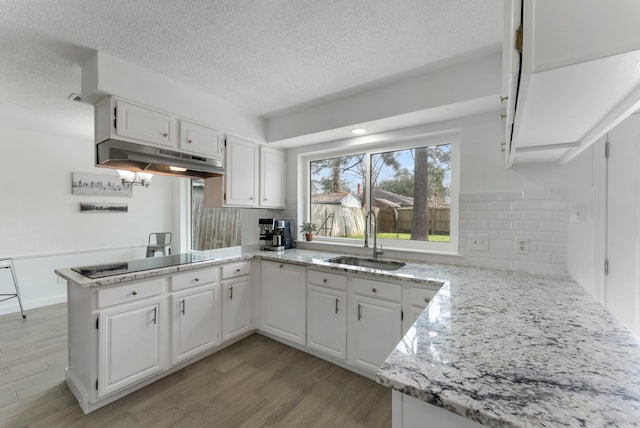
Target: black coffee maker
pixel 276 235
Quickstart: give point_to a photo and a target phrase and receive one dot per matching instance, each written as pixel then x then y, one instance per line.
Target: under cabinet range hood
pixel 137 157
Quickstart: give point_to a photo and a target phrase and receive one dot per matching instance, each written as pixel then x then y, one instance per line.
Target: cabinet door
pixel 200 140
pixel 272 177
pixel 241 175
pixel 235 311
pixel 196 324
pixel 284 301
pixel 148 126
pixel 327 321
pixel 131 344
pixel 377 329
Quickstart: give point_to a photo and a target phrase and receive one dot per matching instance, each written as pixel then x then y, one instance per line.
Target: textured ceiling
pixel 264 56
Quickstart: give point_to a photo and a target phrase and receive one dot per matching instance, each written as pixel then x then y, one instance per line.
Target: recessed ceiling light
pixel 358 131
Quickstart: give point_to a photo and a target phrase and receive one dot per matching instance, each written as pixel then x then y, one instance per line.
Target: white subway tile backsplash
pixel 537 194
pixel 524 205
pixel 553 205
pixel 500 206
pixel 541 216
pixel 478 225
pixel 513 215
pixel 512 196
pixel 526 225
pixel 553 226
pixel 500 225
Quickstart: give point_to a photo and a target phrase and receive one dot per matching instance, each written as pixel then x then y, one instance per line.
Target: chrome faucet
pixel 367 220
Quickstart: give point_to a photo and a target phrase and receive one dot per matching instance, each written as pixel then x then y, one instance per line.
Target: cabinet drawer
pixel 420 297
pixel 383 290
pixel 325 279
pixel 129 292
pixel 193 278
pixel 236 269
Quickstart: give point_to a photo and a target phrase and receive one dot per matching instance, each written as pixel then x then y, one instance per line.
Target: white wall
pixel 41 226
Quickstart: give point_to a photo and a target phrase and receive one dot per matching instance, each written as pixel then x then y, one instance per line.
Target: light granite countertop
pixel 506 349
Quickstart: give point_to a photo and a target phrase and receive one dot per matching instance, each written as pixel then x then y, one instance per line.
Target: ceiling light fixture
pixel 358 131
pixel 177 169
pixel 130 178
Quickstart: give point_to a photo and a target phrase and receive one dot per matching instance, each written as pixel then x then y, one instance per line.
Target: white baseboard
pixel 12 306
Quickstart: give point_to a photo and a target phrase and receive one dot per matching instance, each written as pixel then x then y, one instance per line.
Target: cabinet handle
pixel 281 266
pixel 237 270
pixel 134 292
pixel 426 299
pixel 183 306
pixel 196 279
pixel 231 292
pixel 155 315
pixel 374 289
pixel 359 313
pixel 337 305
pixel 503 99
pixel 325 280
pixel 251 198
pixel 165 135
pixel 189 141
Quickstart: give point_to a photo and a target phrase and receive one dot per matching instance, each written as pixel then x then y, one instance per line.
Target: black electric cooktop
pixel 118 268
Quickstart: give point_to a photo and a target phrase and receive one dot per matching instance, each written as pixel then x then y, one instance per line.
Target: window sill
pixel 358 249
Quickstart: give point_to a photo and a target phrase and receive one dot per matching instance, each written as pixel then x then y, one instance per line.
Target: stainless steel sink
pixel 367 262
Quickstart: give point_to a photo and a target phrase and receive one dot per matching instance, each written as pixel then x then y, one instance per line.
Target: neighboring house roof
pixel 391 198
pixel 346 199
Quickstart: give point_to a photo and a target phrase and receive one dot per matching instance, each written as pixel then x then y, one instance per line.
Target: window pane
pixel 212 227
pixel 337 196
pixel 412 193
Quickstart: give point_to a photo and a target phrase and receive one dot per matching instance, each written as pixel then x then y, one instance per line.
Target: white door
pixel 377 331
pixel 235 310
pixel 327 321
pixel 622 291
pixel 196 325
pixel 131 344
pixel 284 301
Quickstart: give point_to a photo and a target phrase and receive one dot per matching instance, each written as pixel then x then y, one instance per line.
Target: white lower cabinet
pixel 131 343
pixel 283 301
pixel 376 322
pixel 235 309
pixel 196 321
pixel 327 321
pixel 419 298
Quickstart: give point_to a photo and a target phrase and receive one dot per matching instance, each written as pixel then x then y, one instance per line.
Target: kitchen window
pixel 412 189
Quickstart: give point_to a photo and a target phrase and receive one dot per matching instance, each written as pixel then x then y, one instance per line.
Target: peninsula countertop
pixel 498 347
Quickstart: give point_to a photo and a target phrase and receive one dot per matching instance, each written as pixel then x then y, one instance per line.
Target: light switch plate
pixel 479 242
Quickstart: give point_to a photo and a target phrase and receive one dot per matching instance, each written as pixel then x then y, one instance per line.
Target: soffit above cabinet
pixel 574 85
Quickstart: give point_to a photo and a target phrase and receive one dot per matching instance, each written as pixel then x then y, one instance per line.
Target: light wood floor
pixel 254 383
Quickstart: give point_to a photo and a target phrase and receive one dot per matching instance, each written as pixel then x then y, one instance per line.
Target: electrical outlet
pixel 522 246
pixel 479 242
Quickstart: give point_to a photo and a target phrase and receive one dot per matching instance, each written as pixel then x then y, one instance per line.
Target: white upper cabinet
pixel 145 124
pixel 579 75
pixel 200 140
pixel 272 177
pixel 241 175
pixel 128 121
